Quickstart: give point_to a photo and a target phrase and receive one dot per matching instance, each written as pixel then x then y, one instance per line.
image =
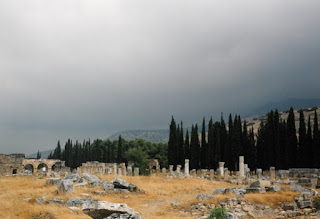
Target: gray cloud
pixel 85 69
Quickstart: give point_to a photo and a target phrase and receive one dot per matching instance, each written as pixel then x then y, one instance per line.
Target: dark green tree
pixel 316 141
pixel 120 150
pixel 302 141
pixel 38 155
pixel 203 162
pixel 292 140
pixel 187 146
pixel 210 146
pixel 172 144
pixel 181 146
pixel 309 157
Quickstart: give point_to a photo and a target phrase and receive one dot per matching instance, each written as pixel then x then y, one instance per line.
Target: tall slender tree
pixel 292 139
pixel 309 150
pixel 204 163
pixel 120 150
pixel 316 140
pixel 210 146
pixel 302 141
pixel 172 144
pixel 187 146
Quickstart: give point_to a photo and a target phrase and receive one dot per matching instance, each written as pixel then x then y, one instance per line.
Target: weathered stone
pixel 273 188
pixel 41 200
pixel 98 192
pixel 92 180
pixel 77 201
pixel 106 185
pixel 290 206
pixel 219 191
pixel 307 182
pixel 204 197
pixel 241 166
pixel 255 190
pixel 292 213
pixel 261 183
pixel 74 177
pixel 65 186
pixel 295 187
pixel 122 184
pixel 304 200
pixel 57 201
pixel 81 184
pixel 103 209
pixel 52 181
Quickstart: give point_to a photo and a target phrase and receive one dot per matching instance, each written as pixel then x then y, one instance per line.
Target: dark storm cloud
pixel 83 69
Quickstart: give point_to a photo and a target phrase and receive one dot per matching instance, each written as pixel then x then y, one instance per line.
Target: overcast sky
pixel 79 69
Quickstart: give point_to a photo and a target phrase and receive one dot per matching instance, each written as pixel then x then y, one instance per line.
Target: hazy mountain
pixel 44 154
pixel 283 105
pixel 157 135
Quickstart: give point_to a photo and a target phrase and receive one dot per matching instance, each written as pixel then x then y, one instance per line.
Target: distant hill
pixel 156 136
pixel 285 105
pixel 254 121
pixel 44 154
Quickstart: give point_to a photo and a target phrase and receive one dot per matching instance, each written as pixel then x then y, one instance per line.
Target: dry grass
pixel 273 199
pixel 155 202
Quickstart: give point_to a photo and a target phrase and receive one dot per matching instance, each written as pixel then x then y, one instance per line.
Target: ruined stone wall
pixel 11 164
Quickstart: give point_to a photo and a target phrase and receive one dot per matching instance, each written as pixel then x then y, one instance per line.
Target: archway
pixel 42 167
pixel 28 169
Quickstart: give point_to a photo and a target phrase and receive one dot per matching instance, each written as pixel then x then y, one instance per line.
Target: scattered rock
pixel 81 184
pixel 92 180
pixel 74 208
pixel 290 207
pixel 74 177
pixel 204 197
pixel 261 183
pixel 218 191
pixel 106 185
pixel 57 201
pixel 65 186
pixel 52 181
pixel 273 188
pixel 304 200
pixel 295 187
pixel 98 192
pixel 41 200
pixel 77 201
pixel 255 190
pixel 103 209
pixel 122 184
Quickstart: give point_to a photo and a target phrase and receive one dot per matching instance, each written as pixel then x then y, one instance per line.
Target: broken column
pixel 170 170
pixel 259 174
pixel 119 171
pixel 194 173
pixel 221 168
pixel 203 173
pixel 158 170
pixel 115 169
pixel 211 174
pixel 129 169
pixel 186 167
pixel 272 174
pixel 164 171
pixel 136 171
pixel 241 166
pixel 178 170
pixel 226 174
pixel 123 169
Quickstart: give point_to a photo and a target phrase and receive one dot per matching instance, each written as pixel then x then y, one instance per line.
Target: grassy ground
pixel 155 202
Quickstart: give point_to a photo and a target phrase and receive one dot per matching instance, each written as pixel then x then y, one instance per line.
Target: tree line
pixel 117 151
pixel 275 144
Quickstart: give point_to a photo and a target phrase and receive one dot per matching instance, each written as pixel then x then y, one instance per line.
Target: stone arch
pixel 42 167
pixel 29 167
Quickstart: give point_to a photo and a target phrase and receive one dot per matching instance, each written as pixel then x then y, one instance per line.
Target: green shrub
pixel 218 213
pixel 317 203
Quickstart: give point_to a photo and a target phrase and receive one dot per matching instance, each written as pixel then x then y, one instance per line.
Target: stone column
pixel 129 169
pixel 272 174
pixel 226 174
pixel 186 167
pixel 241 166
pixel 119 171
pixel 203 173
pixel 123 169
pixel 221 168
pixel 158 170
pixel 259 174
pixel 245 168
pixel 178 170
pixel 170 170
pixel 194 173
pixel 115 169
pixel 211 174
pixel 164 171
pixel 136 171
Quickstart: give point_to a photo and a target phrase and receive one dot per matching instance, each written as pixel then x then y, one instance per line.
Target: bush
pixel 218 213
pixel 317 203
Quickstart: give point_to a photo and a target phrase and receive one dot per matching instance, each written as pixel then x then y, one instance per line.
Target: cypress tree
pixel 302 141
pixel 277 146
pixel 230 162
pixel 38 155
pixel 172 144
pixel 283 145
pixel 176 151
pixel 252 152
pixel 316 141
pixel 210 145
pixel 120 150
pixel 245 143
pixel 309 149
pixel 181 146
pixel 187 146
pixel 261 145
pixel 292 139
pixel 236 141
pixel 195 148
pixel 224 140
pixel 203 145
pixel 217 145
